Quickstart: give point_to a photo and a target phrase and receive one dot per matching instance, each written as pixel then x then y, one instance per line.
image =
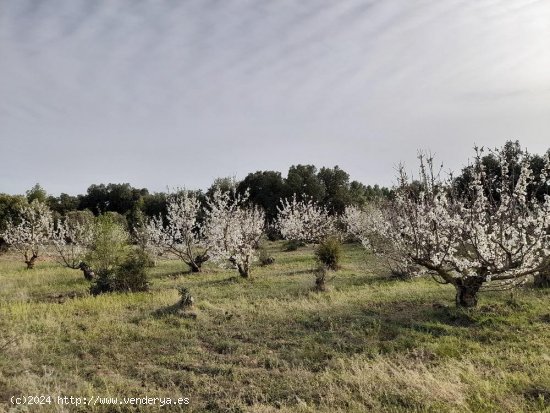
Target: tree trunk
pixel 542 280
pixel 466 291
pixel 87 271
pixel 244 271
pixel 196 264
pixel 320 278
pixel 31 261
pixel 195 267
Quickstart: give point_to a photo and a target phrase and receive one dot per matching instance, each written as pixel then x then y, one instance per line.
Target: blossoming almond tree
pixel 182 235
pixel 233 230
pixel 366 224
pixel 304 221
pixel 32 233
pixel 72 240
pixel 362 223
pixel 476 241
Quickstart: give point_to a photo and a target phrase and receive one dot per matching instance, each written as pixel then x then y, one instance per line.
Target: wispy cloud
pixel 179 85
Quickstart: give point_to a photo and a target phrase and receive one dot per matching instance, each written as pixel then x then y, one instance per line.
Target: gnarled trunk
pixel 194 267
pixel 31 261
pixel 244 270
pixel 87 271
pixel 196 264
pixel 466 291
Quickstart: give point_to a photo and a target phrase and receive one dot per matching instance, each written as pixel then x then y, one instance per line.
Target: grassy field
pixel 271 343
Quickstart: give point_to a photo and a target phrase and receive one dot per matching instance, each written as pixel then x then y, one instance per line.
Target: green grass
pixel 271 343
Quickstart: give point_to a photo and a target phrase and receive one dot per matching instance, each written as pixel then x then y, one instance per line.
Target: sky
pixel 176 93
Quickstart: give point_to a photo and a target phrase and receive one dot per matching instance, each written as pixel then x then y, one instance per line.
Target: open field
pixel 271 343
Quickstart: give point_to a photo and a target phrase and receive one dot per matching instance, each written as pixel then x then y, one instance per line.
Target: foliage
pixel 186 299
pixel 321 273
pixel 542 279
pixel 63 204
pixel 10 209
pixel 329 252
pixel 227 185
pixel 154 204
pixel 109 246
pixel 131 275
pixel 32 233
pixel 303 181
pixel 128 276
pixel 37 193
pixel 265 189
pixel 233 230
pixel 361 194
pixel 337 189
pixel 293 245
pixel 511 151
pixel 112 197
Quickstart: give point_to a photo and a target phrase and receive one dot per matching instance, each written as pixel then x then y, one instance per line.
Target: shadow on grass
pixel 365 279
pixel 174 310
pixel 58 298
pixel 313 338
pixel 230 280
pixel 295 272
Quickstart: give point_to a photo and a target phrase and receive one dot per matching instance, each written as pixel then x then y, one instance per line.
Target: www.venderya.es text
pixel 98 400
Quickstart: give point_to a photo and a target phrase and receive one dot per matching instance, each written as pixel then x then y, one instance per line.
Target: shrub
pixel 103 283
pixel 292 245
pixel 321 277
pixel 265 258
pixel 129 276
pixel 329 252
pixel 186 299
pixel 109 246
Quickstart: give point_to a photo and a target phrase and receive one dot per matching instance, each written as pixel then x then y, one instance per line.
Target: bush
pixel 321 278
pixel 293 245
pixel 265 258
pixel 129 276
pixel 186 299
pixel 329 252
pixel 103 283
pixel 109 246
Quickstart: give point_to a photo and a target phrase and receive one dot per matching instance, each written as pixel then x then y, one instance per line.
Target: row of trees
pixel 227 231
pixel 485 231
pixel 330 187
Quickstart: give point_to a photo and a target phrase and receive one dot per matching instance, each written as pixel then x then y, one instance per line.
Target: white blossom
pixel 72 239
pixel 474 240
pixel 32 233
pixel 304 221
pixel 233 230
pixel 182 234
